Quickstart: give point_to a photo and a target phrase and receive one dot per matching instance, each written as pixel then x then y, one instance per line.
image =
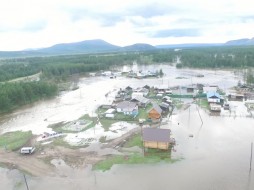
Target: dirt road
pixel 39 163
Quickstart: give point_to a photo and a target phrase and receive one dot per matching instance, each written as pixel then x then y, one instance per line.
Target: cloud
pixel 153 9
pixel 33 26
pixel 182 32
pixel 247 18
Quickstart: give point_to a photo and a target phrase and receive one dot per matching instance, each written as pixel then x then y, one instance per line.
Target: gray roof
pixel 141 99
pixel 165 105
pixel 157 108
pixel 126 105
pixel 156 134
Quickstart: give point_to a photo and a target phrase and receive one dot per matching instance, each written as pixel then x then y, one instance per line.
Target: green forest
pixel 14 95
pixel 55 69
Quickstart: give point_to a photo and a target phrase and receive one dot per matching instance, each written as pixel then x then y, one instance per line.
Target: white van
pixel 27 150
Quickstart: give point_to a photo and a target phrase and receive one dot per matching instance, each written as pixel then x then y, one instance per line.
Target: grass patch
pixel 134 141
pixel 177 103
pixel 18 185
pixel 103 139
pixel 123 117
pixel 203 103
pixel 143 112
pixel 15 140
pixel 106 123
pixel 61 142
pixel 135 158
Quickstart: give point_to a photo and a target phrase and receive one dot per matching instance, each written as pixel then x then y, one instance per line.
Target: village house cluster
pixel 151 106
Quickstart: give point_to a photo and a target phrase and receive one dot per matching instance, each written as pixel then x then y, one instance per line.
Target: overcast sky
pixel 42 23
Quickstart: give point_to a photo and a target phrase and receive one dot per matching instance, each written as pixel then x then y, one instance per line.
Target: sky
pixel 42 23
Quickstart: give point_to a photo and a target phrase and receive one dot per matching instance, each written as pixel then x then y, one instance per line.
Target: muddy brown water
pixel 216 157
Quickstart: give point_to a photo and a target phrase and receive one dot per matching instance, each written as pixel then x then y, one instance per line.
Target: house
pixel 190 89
pixel 146 87
pixel 141 101
pixel 128 89
pixel 167 99
pixel 107 73
pixel 213 97
pixel 136 94
pixel 155 112
pixel 119 98
pixel 127 108
pixel 168 91
pixel 156 138
pixel 164 106
pixel 106 106
pixel 235 97
pixel 144 91
pixel 127 97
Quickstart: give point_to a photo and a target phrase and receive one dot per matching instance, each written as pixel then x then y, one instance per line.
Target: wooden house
pixel 156 138
pixel 155 112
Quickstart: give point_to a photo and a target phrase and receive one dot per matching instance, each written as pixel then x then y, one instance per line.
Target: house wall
pixel 213 100
pixel 154 144
pixel 119 110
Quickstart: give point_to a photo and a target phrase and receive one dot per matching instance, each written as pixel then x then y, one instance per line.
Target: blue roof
pixel 212 94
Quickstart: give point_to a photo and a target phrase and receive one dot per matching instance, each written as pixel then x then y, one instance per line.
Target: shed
pixel 215 107
pixel 156 138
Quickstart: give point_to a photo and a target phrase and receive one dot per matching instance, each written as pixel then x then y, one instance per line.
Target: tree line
pixel 63 66
pixel 14 95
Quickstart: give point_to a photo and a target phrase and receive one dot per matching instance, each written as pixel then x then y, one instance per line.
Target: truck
pixel 27 150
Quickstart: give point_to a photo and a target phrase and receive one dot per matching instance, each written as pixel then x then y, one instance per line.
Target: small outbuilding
pixel 215 107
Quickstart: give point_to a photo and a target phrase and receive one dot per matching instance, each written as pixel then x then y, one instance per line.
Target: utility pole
pixel 26 182
pixel 251 155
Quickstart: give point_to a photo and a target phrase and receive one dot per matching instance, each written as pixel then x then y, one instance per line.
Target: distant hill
pixel 88 46
pixel 241 42
pixel 139 47
pixel 188 45
pixel 101 46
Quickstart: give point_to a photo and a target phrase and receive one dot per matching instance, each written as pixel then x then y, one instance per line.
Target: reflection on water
pixel 214 151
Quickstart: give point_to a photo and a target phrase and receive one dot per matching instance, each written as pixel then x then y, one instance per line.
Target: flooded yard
pixel 213 152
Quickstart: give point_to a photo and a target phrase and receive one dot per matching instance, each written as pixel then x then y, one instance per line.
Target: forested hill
pixel 101 46
pixel 84 47
pixel 88 46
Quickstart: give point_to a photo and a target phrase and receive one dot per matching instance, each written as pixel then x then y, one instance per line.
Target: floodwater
pixel 216 157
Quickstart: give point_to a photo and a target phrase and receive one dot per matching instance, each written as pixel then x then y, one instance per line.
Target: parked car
pixel 27 150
